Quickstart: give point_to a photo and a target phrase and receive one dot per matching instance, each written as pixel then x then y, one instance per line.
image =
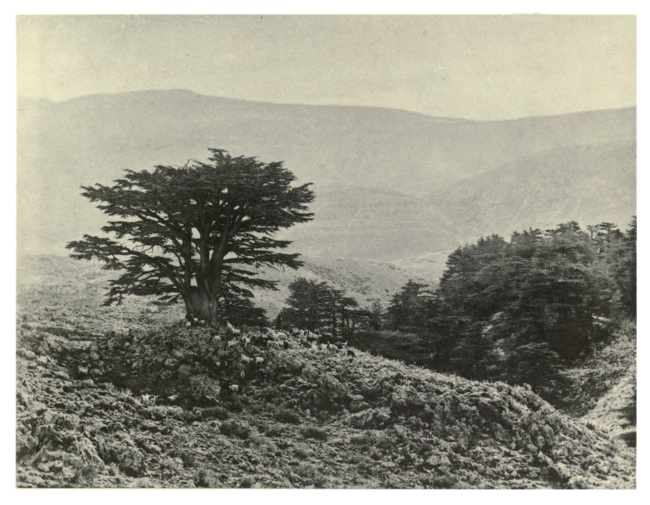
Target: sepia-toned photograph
pixel 326 251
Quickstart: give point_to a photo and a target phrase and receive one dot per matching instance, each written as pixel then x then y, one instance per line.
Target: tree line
pixel 316 306
pixel 516 310
pixel 521 310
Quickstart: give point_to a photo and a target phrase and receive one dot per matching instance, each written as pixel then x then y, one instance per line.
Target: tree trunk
pixel 202 305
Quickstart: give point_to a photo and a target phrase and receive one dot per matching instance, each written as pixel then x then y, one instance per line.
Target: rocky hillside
pixel 123 397
pixel 332 421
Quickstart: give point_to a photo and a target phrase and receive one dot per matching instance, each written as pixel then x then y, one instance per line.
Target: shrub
pixel 288 416
pixel 143 483
pixel 234 428
pixel 365 439
pixel 439 481
pixel 302 452
pixel 185 455
pixel 128 458
pixel 215 413
pixel 162 412
pixel 204 477
pixel 246 483
pixel 169 467
pixel 257 408
pixel 321 482
pixel 275 431
pixel 188 364
pixel 307 470
pixel 86 476
pixel 234 405
pixel 314 432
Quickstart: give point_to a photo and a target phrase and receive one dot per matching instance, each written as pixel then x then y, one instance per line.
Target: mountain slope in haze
pixel 373 223
pixel 404 151
pixel 365 281
pixel 392 157
pixel 586 183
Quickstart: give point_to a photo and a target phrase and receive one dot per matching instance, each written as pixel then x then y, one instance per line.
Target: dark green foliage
pixel 234 428
pixel 408 308
pixel 440 482
pixel 197 233
pixel 315 305
pixel 187 456
pixel 242 313
pixel 314 432
pixel 187 366
pixel 523 310
pixel 375 315
pixel 288 416
pixel 205 478
pixel 247 483
pixel 616 258
pixel 234 404
pixel 307 305
pixel 217 412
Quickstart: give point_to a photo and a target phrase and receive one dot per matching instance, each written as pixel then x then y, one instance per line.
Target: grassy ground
pixel 309 417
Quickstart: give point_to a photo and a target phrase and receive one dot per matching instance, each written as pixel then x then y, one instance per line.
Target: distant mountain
pixel 373 223
pixel 390 185
pixel 586 183
pixel 363 280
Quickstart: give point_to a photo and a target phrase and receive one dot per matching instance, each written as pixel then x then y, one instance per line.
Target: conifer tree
pixel 197 233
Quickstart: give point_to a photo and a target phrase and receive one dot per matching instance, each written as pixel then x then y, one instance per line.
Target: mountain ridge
pixel 92 139
pixel 21 100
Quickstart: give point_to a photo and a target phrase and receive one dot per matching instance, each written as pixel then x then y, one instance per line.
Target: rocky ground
pixel 267 409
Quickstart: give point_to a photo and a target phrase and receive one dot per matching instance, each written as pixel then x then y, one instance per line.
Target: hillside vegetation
pixel 130 398
pixel 526 309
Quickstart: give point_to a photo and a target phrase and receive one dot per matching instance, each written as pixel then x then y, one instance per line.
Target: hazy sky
pixel 476 67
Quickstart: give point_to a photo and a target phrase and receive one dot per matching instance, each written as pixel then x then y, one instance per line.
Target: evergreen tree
pixel 309 304
pixel 242 312
pixel 314 305
pixel 498 302
pixel 375 315
pixel 197 233
pixel 616 259
pixel 407 309
pixel 524 310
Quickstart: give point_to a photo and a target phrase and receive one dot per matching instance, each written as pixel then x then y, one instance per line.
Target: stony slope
pixel 308 417
pixel 391 426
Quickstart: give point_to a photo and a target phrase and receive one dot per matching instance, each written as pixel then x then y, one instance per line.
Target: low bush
pixel 187 366
pixel 288 416
pixel 204 477
pixel 186 456
pixel 246 483
pixel 234 428
pixel 314 432
pixel 302 452
pixel 215 413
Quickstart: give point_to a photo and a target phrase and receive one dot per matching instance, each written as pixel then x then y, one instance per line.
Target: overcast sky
pixel 475 67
